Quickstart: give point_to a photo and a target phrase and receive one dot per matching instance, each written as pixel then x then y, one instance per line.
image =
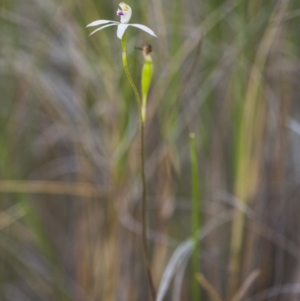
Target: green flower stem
pixel 125 65
pixel 143 177
pixel 196 218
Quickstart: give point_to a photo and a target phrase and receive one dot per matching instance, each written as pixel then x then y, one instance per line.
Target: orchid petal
pixel 103 27
pixel 144 28
pixel 100 22
pixel 121 30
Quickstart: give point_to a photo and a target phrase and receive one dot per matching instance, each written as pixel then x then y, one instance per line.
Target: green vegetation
pixel 196 220
pixel 70 164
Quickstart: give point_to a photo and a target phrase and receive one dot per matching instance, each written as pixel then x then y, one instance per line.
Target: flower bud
pixel 146 77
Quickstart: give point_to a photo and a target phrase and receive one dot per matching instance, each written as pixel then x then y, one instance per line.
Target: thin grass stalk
pixel 210 290
pixel 196 219
pixel 143 176
pixel 248 143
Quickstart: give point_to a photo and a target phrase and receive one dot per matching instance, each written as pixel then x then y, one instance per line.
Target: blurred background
pixel 227 70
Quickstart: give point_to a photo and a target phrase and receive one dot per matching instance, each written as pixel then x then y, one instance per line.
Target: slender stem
pixel 143 176
pixel 144 210
pixel 196 218
pixel 125 65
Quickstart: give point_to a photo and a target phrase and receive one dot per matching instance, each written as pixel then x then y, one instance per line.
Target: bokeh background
pixel 227 70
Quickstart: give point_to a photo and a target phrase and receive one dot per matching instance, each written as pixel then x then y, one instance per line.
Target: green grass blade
pixel 195 218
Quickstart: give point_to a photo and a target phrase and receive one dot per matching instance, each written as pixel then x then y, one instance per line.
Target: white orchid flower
pixel 125 13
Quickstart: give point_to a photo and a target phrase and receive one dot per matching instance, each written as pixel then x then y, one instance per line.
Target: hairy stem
pixel 143 176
